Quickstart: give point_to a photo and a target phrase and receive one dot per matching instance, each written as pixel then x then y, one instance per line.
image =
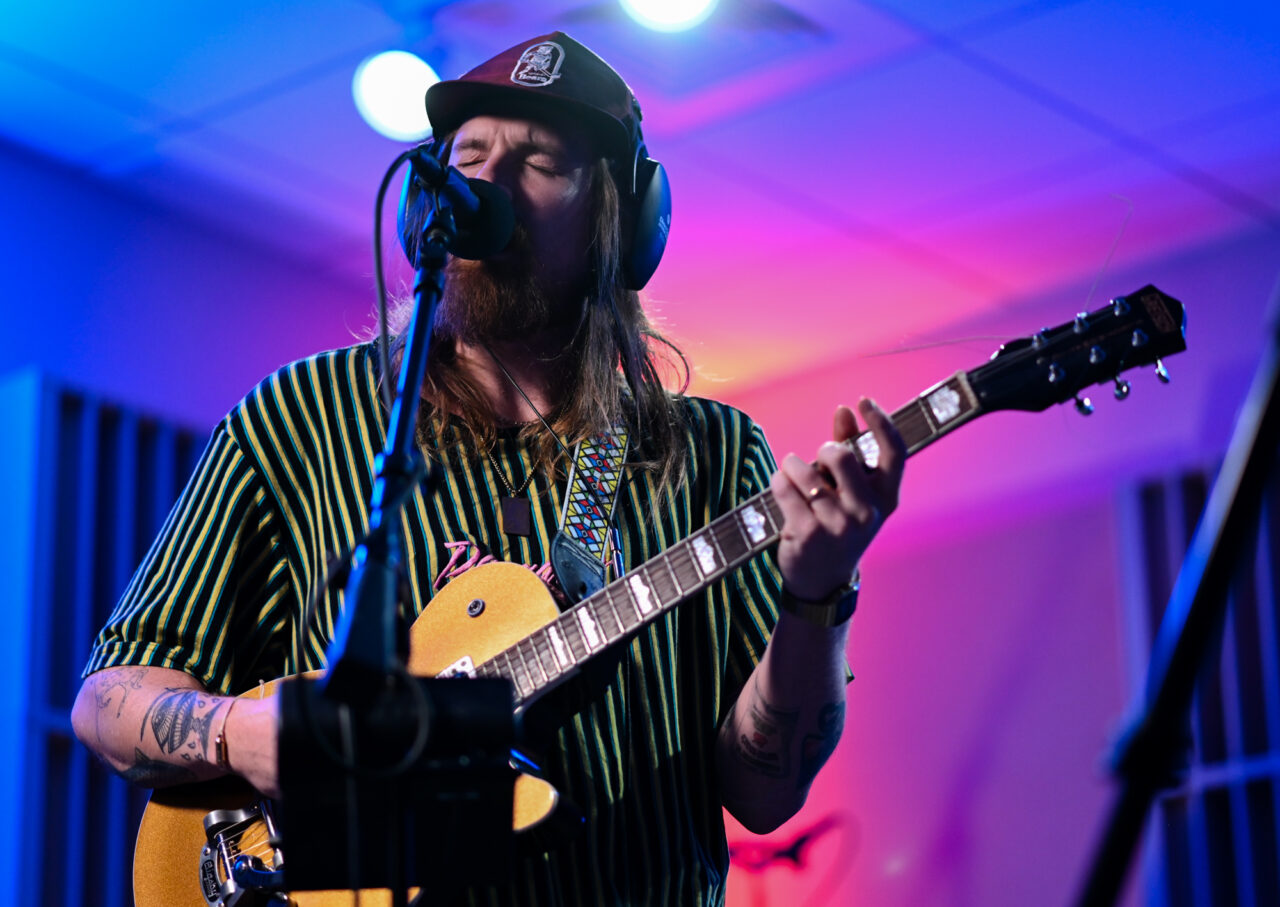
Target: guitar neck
pixel 551 654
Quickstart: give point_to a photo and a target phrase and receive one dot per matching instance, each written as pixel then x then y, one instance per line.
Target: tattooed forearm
pixel 764 738
pixel 179 724
pixel 816 749
pixel 114 687
pixel 147 772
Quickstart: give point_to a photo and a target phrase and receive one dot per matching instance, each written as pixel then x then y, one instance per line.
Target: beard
pixel 502 299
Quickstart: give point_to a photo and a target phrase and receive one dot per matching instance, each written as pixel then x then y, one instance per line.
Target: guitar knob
pixel 1096 355
pixel 1162 373
pixel 1084 406
pixel 1056 373
pixel 1120 306
pixel 475 607
pixel 1081 323
pixel 1122 389
pixel 1139 338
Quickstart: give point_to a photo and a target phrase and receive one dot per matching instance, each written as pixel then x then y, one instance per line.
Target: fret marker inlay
pixel 557 643
pixel 945 404
pixel 644 599
pixel 869 449
pixel 706 555
pixel 589 629
pixel 755 523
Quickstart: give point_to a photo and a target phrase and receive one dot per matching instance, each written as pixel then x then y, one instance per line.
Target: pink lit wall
pixel 991 665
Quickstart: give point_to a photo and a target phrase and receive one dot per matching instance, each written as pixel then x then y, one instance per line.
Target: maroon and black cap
pixel 553 73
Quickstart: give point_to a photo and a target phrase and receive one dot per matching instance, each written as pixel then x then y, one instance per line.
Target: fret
pixel 730 536
pixel 606 612
pixel 547 660
pixel 529 658
pixel 559 646
pixel 572 630
pixel 593 632
pixel 704 555
pixel 627 608
pixel 754 516
pixel 518 673
pixel 663 581
pixel 680 560
pixel 772 513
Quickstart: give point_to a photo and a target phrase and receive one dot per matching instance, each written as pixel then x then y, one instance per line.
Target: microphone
pixel 481 211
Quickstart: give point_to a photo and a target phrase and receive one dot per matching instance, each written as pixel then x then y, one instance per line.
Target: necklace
pixel 517 512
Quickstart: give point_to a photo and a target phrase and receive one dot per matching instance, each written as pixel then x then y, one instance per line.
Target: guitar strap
pixel 580 548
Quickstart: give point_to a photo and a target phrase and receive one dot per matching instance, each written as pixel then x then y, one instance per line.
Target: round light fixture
pixel 668 15
pixel 389 89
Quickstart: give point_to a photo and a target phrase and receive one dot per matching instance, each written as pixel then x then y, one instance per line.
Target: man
pixel 733 699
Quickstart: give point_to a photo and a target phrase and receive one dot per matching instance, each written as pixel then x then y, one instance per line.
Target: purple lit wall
pixel 144 305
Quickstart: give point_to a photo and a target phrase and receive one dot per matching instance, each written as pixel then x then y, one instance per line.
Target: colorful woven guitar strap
pixel 579 549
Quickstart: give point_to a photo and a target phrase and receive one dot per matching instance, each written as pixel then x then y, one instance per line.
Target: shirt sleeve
pixel 754 588
pixel 207 599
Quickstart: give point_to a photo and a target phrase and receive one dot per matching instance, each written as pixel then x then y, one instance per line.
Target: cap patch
pixel 539 64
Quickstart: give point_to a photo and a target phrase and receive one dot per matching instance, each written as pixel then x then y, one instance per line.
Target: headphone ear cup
pixel 650 223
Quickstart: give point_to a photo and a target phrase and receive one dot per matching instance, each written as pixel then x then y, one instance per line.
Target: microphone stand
pixel 1152 749
pixel 392 747
pixel 369 645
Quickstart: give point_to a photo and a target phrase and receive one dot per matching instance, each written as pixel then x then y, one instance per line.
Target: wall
pixel 147 306
pixel 988 645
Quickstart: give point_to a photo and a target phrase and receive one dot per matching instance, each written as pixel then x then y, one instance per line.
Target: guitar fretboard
pixel 549 655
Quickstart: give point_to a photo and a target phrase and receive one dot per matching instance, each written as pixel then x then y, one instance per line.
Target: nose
pixel 496 169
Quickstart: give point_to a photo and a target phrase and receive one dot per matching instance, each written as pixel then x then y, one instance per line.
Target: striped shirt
pixel 283 488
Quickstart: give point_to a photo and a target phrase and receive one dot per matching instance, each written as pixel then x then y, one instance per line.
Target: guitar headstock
pixel 1056 364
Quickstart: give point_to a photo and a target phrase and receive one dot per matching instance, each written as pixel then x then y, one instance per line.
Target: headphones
pixel 644 211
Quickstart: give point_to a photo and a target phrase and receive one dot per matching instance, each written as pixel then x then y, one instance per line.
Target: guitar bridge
pixel 241 862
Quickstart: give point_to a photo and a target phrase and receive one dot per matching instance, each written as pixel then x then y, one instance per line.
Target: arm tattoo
pixel 147 772
pixel 176 726
pixel 123 680
pixel 766 746
pixel 816 749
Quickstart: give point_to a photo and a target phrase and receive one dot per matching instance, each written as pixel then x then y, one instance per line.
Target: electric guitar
pixel 190 835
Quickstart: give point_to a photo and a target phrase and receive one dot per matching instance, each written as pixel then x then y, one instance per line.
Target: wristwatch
pixel 831 611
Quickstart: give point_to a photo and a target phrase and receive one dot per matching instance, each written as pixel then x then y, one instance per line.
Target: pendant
pixel 517 516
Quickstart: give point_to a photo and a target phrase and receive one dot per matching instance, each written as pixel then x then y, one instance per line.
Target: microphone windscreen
pixel 489 231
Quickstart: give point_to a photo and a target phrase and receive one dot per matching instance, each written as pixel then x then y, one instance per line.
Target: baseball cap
pixel 551 73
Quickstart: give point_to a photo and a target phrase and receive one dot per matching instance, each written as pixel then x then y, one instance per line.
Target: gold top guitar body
pixel 174 862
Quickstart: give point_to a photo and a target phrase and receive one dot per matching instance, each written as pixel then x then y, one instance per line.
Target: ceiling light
pixel 389 89
pixel 668 15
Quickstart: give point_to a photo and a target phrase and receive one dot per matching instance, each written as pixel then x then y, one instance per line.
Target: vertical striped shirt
pixel 283 488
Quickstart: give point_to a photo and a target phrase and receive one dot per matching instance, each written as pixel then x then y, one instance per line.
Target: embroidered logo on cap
pixel 539 64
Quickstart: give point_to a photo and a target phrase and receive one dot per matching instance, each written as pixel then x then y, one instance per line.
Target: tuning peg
pixel 1038 340
pixel 1096 355
pixel 1139 338
pixel 1162 373
pixel 1122 389
pixel 1056 373
pixel 1120 306
pixel 1081 323
pixel 1084 406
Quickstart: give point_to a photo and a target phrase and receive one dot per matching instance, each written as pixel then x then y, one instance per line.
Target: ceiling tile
pixel 1134 67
